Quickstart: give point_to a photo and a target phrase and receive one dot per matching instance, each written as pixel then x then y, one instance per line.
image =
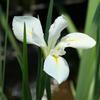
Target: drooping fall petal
pixel 75 40
pixel 57 68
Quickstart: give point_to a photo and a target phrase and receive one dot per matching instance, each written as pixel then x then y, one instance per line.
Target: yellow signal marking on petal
pixel 30 33
pixel 55 58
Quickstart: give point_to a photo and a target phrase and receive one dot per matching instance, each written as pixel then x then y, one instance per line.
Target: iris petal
pixel 54 32
pixel 75 40
pixel 34 31
pixel 56 67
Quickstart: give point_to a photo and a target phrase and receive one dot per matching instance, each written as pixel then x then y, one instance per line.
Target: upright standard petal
pixel 76 40
pixel 37 33
pixel 54 32
pixel 33 29
pixel 56 67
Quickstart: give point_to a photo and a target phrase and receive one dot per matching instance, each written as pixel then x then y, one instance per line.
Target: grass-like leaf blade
pixel 88 59
pixel 97 73
pixel 26 94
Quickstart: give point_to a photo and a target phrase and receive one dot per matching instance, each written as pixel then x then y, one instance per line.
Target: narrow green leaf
pixel 42 78
pixel 3 62
pixel 5 46
pixel 86 74
pixel 97 73
pixel 48 23
pixel 92 5
pixel 48 87
pixel 49 19
pixel 97 16
pixel 1 83
pixel 2 96
pixel 25 55
pixel 71 26
pixel 10 36
pixel 26 94
pixel 88 59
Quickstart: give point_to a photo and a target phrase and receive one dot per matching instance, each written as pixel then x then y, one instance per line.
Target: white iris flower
pixel 54 64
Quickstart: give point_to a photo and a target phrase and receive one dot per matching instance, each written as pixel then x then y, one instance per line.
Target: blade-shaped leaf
pixel 48 23
pixel 26 94
pixel 49 19
pixel 10 36
pixel 5 45
pixel 97 73
pixel 88 59
pixel 42 78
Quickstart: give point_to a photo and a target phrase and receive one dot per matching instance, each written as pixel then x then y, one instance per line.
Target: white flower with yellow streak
pixel 54 64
